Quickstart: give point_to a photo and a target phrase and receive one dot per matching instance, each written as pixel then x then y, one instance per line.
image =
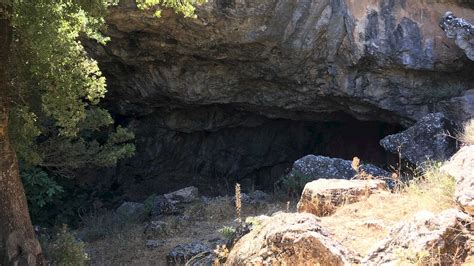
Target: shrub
pixel 41 189
pixel 64 249
pixel 468 134
pixel 149 201
pixel 294 184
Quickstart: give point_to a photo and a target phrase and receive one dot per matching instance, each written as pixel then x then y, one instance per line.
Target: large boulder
pixel 323 196
pixel 312 167
pixel 162 206
pixel 427 140
pixel 289 239
pixel 461 167
pixel 184 195
pixel 426 238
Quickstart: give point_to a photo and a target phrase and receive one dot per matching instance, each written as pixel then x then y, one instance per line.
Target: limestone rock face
pixel 461 167
pixel 427 140
pixel 289 239
pixel 425 237
pixel 323 196
pixel 218 98
pixel 373 59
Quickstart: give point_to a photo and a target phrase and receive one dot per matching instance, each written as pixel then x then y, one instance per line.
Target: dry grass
pixel 467 136
pixel 362 224
pixel 199 222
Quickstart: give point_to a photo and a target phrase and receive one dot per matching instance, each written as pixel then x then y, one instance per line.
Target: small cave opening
pixel 213 148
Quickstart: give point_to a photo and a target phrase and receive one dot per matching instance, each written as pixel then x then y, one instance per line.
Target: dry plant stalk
pixel 361 174
pixel 238 201
pixel 356 164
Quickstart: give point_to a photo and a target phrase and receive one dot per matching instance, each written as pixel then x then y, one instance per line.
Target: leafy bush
pixel 64 249
pixel 41 189
pixel 149 201
pixel 294 183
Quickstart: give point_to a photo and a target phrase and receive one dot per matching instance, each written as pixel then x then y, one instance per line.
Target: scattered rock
pixel 461 167
pixel 152 244
pixel 289 239
pixel 244 198
pixel 425 238
pixel 155 227
pixel 131 210
pixel 254 197
pixel 205 258
pixel 184 195
pixel 161 206
pixel 425 140
pixel 259 195
pixel 184 252
pixel 314 167
pixel 323 196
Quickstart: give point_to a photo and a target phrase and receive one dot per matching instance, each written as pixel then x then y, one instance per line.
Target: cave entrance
pixel 343 139
pixel 213 152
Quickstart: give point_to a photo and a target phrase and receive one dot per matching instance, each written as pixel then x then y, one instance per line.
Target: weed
pixel 467 136
pixel 227 232
pixel 434 189
pixel 64 249
pixel 101 225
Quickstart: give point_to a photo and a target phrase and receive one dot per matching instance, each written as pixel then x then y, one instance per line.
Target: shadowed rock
pixel 313 167
pixel 461 30
pixel 428 139
pixel 184 252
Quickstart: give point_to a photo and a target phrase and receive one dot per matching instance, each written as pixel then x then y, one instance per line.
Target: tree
pixel 45 75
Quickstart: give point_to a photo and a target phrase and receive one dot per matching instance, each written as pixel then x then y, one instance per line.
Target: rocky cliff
pixel 249 86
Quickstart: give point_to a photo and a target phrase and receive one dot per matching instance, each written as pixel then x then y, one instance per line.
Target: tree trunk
pixel 18 244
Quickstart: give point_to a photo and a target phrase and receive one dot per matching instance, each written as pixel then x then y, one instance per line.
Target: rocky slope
pixel 250 86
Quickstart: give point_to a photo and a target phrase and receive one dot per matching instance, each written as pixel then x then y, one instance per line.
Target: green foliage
pixel 26 130
pixel 227 232
pixel 149 201
pixel 294 183
pixel 185 7
pixel 41 189
pixel 55 79
pixel 48 47
pixel 64 249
